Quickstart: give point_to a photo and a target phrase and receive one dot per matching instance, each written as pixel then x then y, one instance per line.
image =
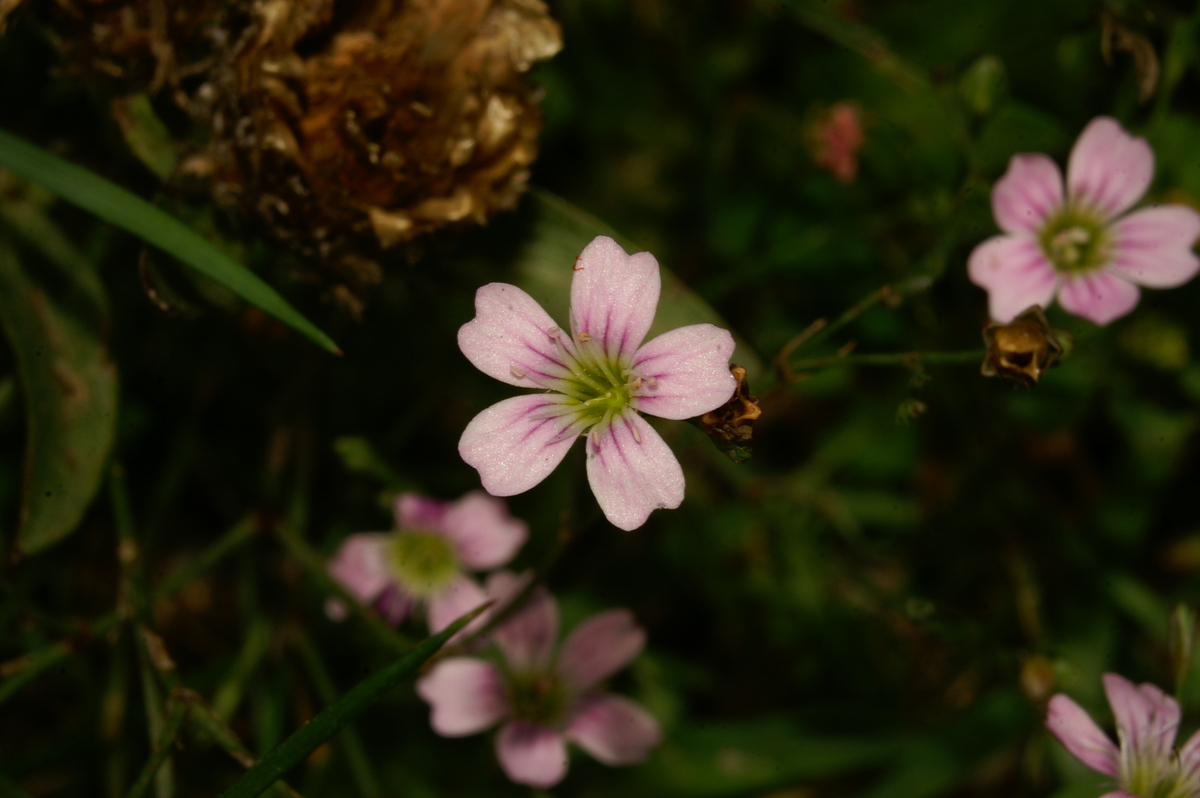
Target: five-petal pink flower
pixel 594 382
pixel 1145 763
pixel 425 559
pixel 1076 245
pixel 543 694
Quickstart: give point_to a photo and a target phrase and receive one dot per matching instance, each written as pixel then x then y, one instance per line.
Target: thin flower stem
pixel 314 564
pixel 905 359
pixel 20 671
pixel 207 721
pixel 162 749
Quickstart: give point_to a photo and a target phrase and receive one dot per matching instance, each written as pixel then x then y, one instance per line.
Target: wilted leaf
pixel 70 388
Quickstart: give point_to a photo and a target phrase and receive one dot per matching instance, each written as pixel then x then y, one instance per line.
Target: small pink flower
pixel 425 558
pixel 594 382
pixel 837 139
pixel 1079 247
pixel 1145 764
pixel 545 695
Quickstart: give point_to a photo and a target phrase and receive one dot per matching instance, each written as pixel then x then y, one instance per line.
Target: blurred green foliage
pixel 866 608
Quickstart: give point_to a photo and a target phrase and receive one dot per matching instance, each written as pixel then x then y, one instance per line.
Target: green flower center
pixel 599 387
pixel 539 698
pixel 1075 240
pixel 423 563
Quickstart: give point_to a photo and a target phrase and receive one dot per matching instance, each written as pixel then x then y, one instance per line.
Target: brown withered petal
pixel 731 425
pixel 1022 349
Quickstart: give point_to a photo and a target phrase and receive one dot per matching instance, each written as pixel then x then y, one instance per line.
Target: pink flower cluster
pixel 593 381
pixel 1079 244
pixel 545 695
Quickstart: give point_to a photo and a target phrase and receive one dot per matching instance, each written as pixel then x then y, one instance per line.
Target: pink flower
pixel 545 695
pixel 1079 247
pixel 593 382
pixel 425 558
pixel 1146 764
pixel 838 138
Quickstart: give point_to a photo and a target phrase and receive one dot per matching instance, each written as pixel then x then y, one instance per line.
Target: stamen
pixel 553 332
pixel 636 384
pixel 584 337
pixel 637 436
pixel 652 382
pixel 516 372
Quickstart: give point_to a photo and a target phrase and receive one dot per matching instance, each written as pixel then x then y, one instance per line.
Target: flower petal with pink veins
pixel 632 471
pixel 614 296
pixel 1015 273
pixel 1147 718
pixel 360 565
pixel 465 695
pixel 512 447
pixel 1153 246
pixel 414 511
pixel 599 647
pixel 485 535
pixel 510 339
pixel 685 372
pixel 1080 735
pixel 1029 192
pixel 1189 758
pixel 1098 296
pixel 614 729
pixel 527 638
pixel 447 606
pixel 1109 169
pixel 533 755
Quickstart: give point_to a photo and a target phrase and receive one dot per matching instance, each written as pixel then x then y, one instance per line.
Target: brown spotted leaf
pixel 70 389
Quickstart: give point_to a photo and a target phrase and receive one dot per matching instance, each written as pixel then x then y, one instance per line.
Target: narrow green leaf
pixel 306 739
pixel 129 212
pixel 70 387
pixel 560 234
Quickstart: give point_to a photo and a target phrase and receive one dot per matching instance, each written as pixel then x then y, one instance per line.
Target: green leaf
pixel 129 212
pixel 560 233
pixel 70 387
pixel 305 740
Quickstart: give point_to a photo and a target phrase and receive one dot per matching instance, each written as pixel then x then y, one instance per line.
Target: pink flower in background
pixel 425 558
pixel 837 140
pixel 594 382
pixel 1145 764
pixel 1078 246
pixel 545 695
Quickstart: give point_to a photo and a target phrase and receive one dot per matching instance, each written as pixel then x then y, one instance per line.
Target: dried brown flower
pixel 345 128
pixel 731 425
pixel 1022 349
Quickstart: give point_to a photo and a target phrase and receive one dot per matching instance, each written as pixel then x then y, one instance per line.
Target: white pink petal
pixel 465 695
pixel 614 296
pixel 527 637
pixel 614 730
pixel 531 754
pixel 1109 170
pixel 1099 296
pixel 456 600
pixel 484 533
pixel 599 647
pixel 1153 246
pixel 1016 274
pixel 510 338
pixel 685 372
pixel 1080 735
pixel 513 446
pixel 360 565
pixel 1030 191
pixel 632 471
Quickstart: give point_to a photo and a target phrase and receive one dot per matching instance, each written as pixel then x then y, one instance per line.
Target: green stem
pixel 26 669
pixel 314 563
pixel 906 359
pixel 211 724
pixel 305 740
pixel 162 749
